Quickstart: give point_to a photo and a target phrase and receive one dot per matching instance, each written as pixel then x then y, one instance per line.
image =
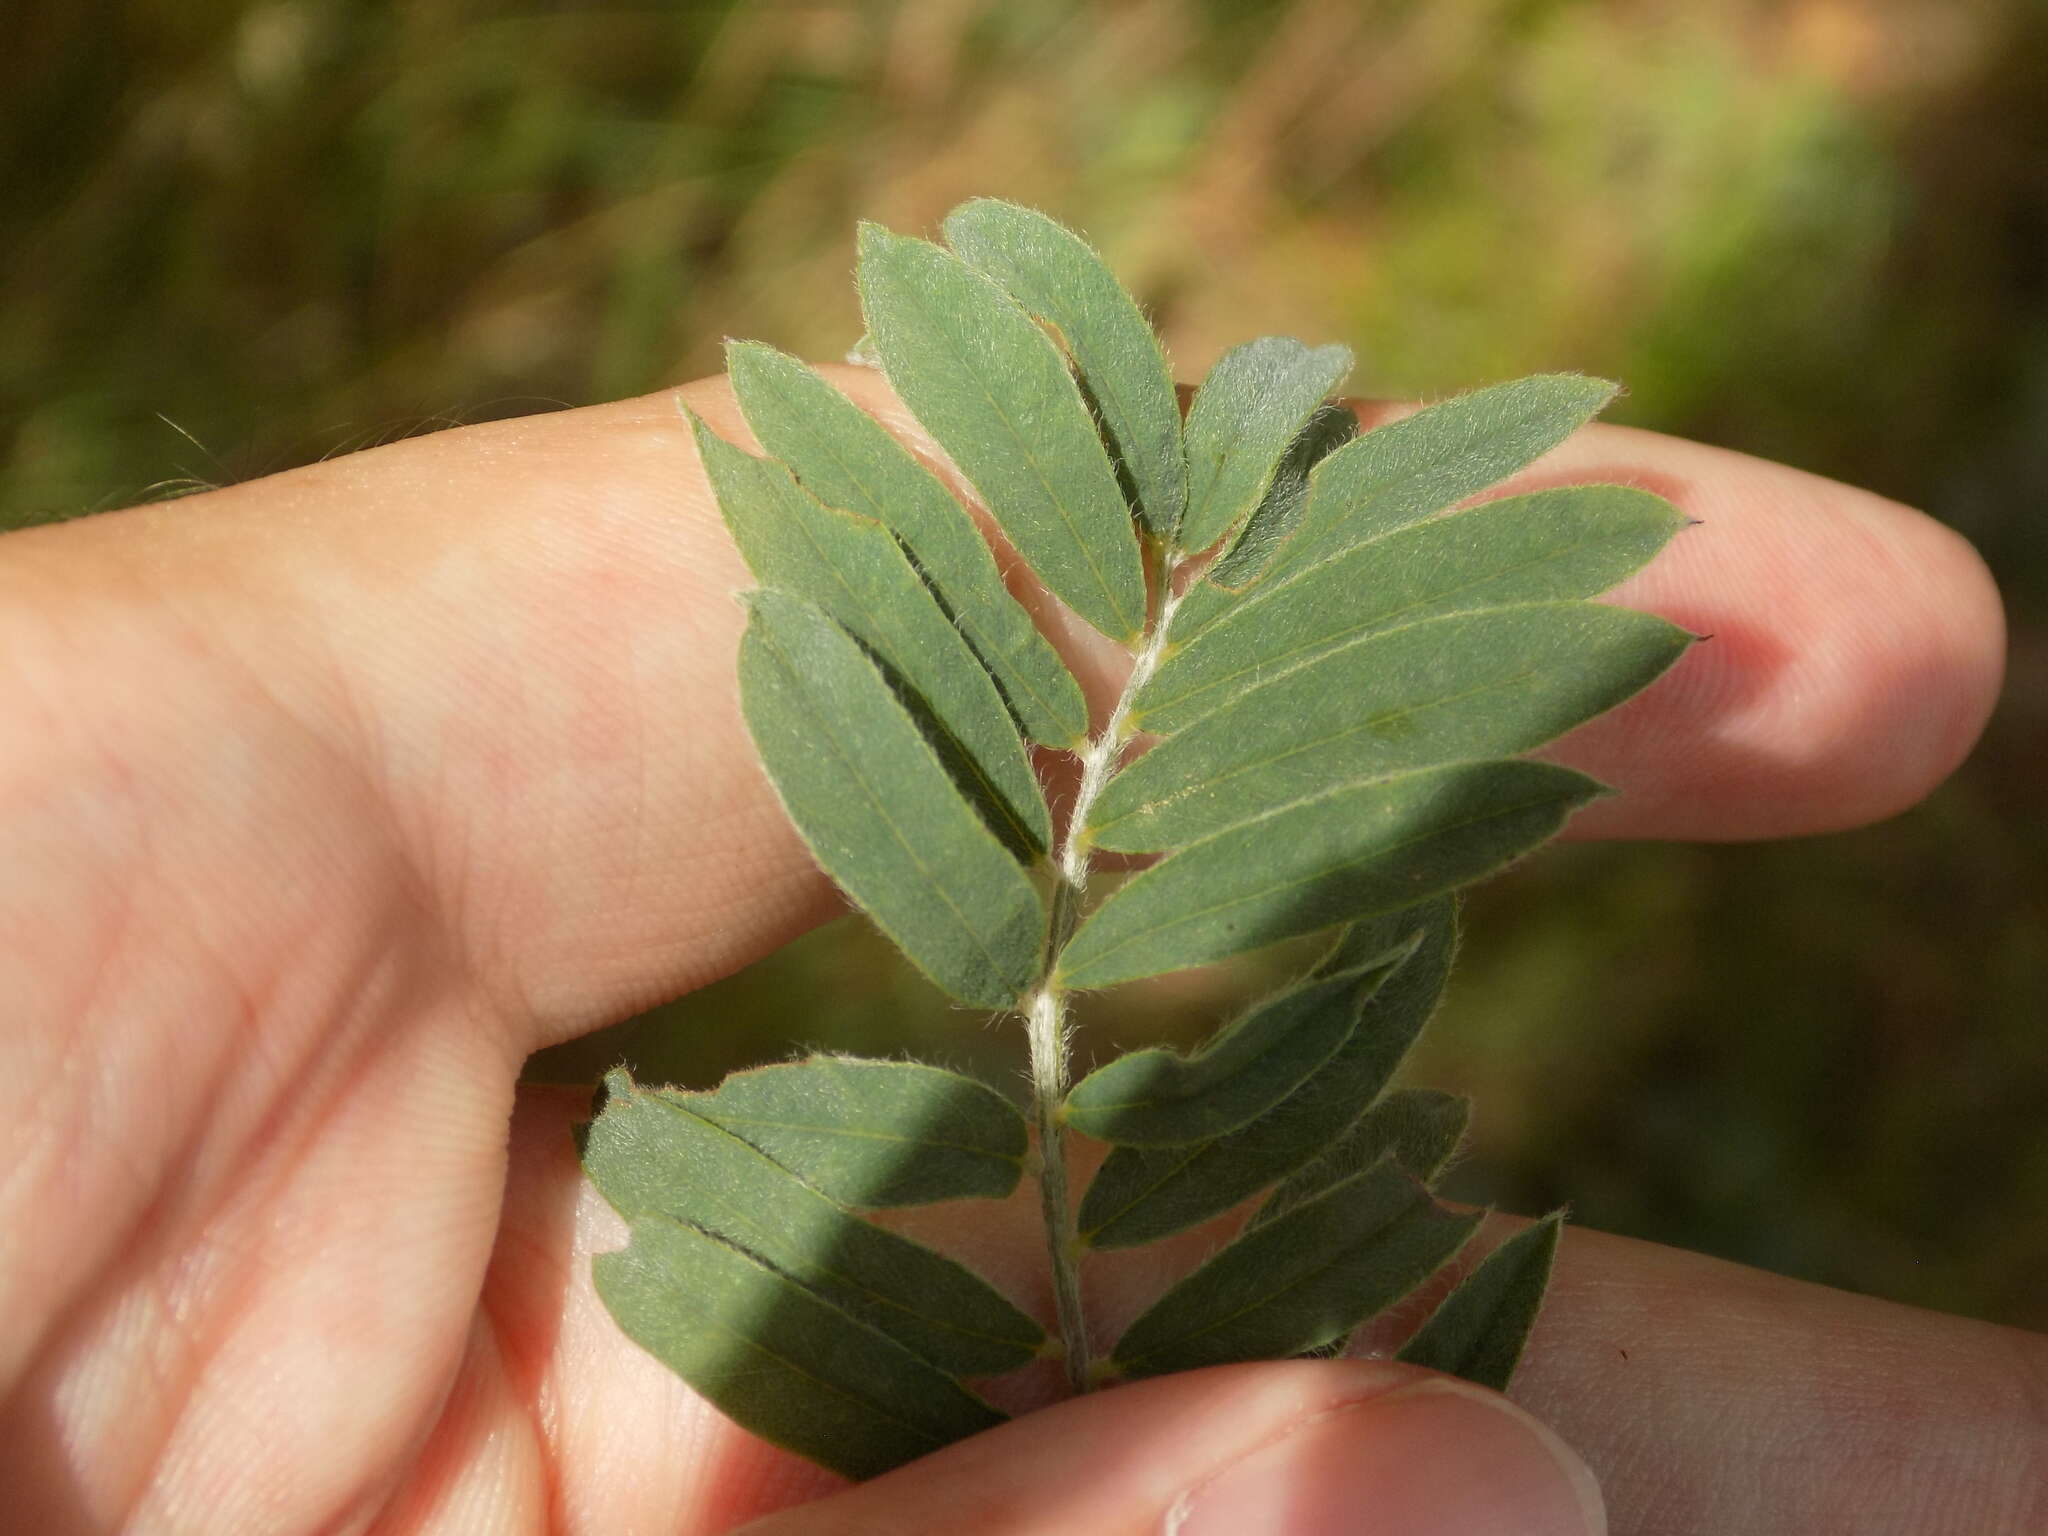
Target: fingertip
pixel 1956 641
pixel 1262 1450
pixel 1438 1458
pixel 1852 650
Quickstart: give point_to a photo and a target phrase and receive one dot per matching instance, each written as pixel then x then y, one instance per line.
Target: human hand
pixel 324 800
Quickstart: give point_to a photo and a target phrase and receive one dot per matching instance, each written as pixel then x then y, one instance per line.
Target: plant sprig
pixel 1336 665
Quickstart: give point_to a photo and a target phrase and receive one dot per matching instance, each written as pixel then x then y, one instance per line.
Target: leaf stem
pixel 1045 1012
pixel 1046 1026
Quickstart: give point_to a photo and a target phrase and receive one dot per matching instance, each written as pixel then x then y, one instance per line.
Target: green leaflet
pixel 1302 1280
pixel 846 459
pixel 1246 554
pixel 777 1358
pixel 1419 1128
pixel 1417 466
pixel 1054 275
pixel 1545 547
pixel 1141 1194
pixel 1158 1097
pixel 649 1153
pixel 879 810
pixel 854 570
pixel 1250 409
pixel 1345 854
pixel 874 1133
pixel 993 390
pixel 1454 688
pixel 1478 1331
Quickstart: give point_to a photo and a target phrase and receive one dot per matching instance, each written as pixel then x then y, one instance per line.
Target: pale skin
pixel 326 799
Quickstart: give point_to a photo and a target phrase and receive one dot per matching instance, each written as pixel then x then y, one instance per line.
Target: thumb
pixel 1290 1448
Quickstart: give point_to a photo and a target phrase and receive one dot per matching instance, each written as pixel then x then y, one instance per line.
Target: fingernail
pixel 1439 1458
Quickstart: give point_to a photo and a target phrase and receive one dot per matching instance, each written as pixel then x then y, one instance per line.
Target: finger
pixel 1282 1448
pixel 1718 1400
pixel 520 638
pixel 524 632
pixel 1854 649
pixel 1708 1399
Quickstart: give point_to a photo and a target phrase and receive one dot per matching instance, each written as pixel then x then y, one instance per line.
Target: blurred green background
pixel 235 237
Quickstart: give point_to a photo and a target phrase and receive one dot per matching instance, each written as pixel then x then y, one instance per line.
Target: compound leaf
pixel 651 1153
pixel 1412 468
pixel 1302 1280
pixel 1140 1194
pixel 1337 710
pixel 776 1357
pixel 845 458
pixel 1545 547
pixel 1478 1331
pixel 1347 853
pixel 874 1133
pixel 1250 409
pixel 1419 1128
pixel 1057 277
pixel 1455 688
pixel 854 570
pixel 1158 1097
pixel 994 391
pixel 879 810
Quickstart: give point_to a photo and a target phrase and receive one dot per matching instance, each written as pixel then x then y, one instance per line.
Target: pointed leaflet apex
pixel 1478 1331
pixel 1548 546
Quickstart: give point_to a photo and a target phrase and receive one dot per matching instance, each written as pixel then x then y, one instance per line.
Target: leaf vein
pixel 852 1283
pixel 1493 813
pixel 1341 639
pixel 1059 504
pixel 1256 764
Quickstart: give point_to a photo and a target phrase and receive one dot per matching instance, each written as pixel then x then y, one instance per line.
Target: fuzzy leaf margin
pixel 1480 1330
pixel 1301 1281
pixel 653 1154
pixel 1141 1194
pixel 1056 276
pixel 878 808
pixel 846 459
pixel 993 390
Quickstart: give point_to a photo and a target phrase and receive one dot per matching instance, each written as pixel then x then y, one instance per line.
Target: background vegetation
pixel 237 236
